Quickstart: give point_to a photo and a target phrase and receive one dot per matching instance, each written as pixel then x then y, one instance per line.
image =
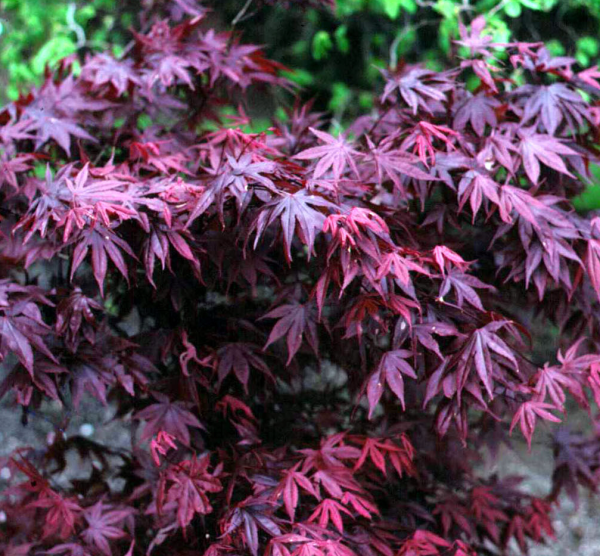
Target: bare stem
pixel 241 13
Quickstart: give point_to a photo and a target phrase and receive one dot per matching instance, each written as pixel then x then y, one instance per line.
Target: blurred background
pixel 335 48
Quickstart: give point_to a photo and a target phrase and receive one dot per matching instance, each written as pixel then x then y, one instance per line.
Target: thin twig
pixel 74 26
pixel 530 27
pixel 241 13
pixel 566 28
pixel 394 47
pixel 400 36
pixel 497 8
pixel 237 19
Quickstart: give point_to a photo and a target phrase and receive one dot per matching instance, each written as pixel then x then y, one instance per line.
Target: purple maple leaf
pixel 171 417
pixel 389 371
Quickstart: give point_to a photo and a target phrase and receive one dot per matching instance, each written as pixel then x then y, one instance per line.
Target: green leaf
pixel 366 100
pixel 409 5
pixel 144 121
pixel 54 50
pixel 391 7
pixel 555 48
pixel 407 40
pixel 300 76
pixel 588 45
pixel 299 48
pixel 432 60
pixel 473 82
pixel 589 199
pixel 341 39
pixel 258 125
pixel 513 8
pixel 582 59
pixel 372 70
pixel 85 13
pixel 345 8
pixel 281 114
pixel 539 5
pixel 321 45
pixel 587 98
pixel 340 97
pixel 499 30
pixel 447 9
pixel 447 33
pixel 39 170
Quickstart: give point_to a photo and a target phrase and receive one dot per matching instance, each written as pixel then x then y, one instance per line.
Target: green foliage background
pixel 36 33
pixel 336 55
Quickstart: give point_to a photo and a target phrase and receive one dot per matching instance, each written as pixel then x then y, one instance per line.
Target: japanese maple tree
pixel 333 329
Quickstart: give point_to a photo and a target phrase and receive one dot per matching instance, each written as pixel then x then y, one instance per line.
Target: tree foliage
pixel 409 254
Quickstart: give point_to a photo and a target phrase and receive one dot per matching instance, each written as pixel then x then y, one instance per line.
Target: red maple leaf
pixel 330 510
pixel 337 153
pixel 104 523
pixel 61 516
pixel 295 320
pixel 389 371
pixel 168 416
pixel 190 481
pixel 296 213
pixel 536 148
pixel 527 415
pixel 288 487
